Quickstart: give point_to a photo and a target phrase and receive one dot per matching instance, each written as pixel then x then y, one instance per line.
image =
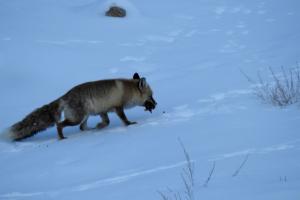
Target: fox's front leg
pixel 121 114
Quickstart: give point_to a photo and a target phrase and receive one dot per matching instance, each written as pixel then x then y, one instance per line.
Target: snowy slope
pixel 192 53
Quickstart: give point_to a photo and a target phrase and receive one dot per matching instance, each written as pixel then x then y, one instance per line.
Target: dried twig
pixel 163 195
pixel 249 79
pixel 189 169
pixel 187 174
pixel 241 166
pixel 210 174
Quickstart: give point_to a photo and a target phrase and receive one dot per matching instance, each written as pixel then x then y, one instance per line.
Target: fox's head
pixel 147 99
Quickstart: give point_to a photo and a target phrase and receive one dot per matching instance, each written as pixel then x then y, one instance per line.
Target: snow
pixel 192 54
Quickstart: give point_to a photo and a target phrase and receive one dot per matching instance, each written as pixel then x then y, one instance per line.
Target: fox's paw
pixel 101 125
pixel 130 123
pixel 62 138
pixel 83 128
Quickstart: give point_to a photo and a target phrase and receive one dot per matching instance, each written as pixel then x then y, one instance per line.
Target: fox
pixel 84 100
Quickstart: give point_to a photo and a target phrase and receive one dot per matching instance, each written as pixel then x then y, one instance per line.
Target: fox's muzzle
pixel 150 104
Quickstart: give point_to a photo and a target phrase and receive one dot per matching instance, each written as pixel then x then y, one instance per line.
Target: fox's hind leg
pixel 83 125
pixel 105 121
pixel 63 124
pixel 73 117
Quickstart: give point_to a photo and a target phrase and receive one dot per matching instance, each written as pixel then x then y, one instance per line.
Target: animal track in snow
pixel 264 150
pixel 210 106
pixel 232 47
pixel 195 32
pixel 170 38
pixel 270 20
pixel 97 183
pixel 129 44
pixel 245 32
pixel 217 104
pixel 126 177
pixel 185 17
pixel 236 10
pixel 132 59
pixel 222 96
pixel 158 38
pixel 191 33
pixel 67 42
pixel 221 10
pixel 20 194
pixel 241 25
pixel 229 32
pixel 247 11
pixel 178 114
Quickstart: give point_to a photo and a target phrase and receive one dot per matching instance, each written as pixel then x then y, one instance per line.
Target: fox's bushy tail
pixel 37 121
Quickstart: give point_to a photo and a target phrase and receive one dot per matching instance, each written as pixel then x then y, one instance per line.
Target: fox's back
pixel 100 96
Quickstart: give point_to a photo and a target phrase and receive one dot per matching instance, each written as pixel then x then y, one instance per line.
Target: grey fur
pixel 91 98
pixel 38 120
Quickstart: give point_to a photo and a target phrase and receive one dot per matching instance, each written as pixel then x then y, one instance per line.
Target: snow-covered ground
pixel 192 54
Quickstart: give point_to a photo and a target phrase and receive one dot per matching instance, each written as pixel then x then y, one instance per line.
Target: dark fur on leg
pixel 121 114
pixel 64 124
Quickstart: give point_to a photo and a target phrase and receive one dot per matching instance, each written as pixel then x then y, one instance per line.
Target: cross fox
pixel 91 98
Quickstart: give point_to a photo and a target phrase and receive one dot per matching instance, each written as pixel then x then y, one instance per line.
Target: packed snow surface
pixel 194 55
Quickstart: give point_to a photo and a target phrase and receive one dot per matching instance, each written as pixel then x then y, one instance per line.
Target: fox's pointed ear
pixel 142 83
pixel 136 76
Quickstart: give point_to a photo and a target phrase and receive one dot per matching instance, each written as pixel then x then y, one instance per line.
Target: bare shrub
pixel 187 174
pixel 282 90
pixel 188 180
